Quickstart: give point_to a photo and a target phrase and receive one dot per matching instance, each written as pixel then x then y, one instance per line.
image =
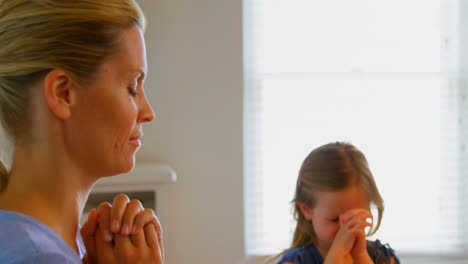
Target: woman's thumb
pixel 88 233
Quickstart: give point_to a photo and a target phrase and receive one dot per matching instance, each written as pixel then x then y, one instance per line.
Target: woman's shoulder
pixel 18 227
pixel 24 239
pixel 381 253
pixel 305 254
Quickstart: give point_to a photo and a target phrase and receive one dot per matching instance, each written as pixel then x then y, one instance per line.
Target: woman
pixel 72 102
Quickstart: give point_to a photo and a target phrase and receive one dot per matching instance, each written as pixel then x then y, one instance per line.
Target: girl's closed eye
pixel 335 219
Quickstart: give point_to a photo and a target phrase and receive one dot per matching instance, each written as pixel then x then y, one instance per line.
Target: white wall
pixel 195 86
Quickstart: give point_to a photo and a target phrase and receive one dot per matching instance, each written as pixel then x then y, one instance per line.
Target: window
pixel 383 75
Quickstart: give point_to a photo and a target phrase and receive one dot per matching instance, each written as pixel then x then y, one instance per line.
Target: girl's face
pixel 106 128
pixel 329 206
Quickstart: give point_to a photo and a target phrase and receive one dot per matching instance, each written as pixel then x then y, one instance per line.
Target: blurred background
pixel 244 90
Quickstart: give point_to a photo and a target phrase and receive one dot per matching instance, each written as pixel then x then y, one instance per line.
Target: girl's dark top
pixel 378 252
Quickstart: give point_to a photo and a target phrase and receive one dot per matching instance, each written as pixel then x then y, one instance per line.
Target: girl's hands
pixel 112 224
pixel 355 221
pixel 350 240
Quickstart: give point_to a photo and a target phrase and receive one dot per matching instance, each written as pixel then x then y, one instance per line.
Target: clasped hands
pixel 350 240
pixel 123 232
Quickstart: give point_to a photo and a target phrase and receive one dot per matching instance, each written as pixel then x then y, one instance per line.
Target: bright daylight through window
pixel 383 75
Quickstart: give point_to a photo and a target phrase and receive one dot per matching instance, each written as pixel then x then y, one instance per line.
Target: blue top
pixel 24 239
pixel 310 255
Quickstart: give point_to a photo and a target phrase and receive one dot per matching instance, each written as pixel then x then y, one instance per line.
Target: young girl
pixel 334 192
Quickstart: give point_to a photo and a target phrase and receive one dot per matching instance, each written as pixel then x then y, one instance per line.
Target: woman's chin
pixel 120 168
pixel 127 166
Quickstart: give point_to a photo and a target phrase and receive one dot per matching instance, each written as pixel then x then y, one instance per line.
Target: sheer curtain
pixel 387 76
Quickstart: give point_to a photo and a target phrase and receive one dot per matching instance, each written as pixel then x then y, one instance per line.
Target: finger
pixel 358 233
pixel 366 215
pixel 356 211
pixel 90 226
pixel 360 243
pixel 145 217
pixel 344 239
pixel 360 225
pixel 104 211
pixel 151 236
pixel 133 209
pixel 138 239
pixel 148 216
pixel 118 209
pixel 355 215
pixel 123 245
pixel 88 230
pixel 154 242
pixel 102 246
pixel 88 233
pixel 353 220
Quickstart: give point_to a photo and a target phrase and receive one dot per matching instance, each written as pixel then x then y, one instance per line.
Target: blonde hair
pixel 37 36
pixel 331 167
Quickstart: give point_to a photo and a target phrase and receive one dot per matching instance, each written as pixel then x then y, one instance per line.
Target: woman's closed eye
pixel 335 219
pixel 133 91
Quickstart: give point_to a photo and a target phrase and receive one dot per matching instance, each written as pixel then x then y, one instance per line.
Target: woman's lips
pixel 136 141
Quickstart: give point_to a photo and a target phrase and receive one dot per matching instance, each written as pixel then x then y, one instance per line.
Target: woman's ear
pixel 58 87
pixel 305 210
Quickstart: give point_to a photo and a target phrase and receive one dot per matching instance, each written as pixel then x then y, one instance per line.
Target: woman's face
pixel 108 115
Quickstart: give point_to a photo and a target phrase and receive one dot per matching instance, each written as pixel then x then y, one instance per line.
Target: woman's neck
pixel 47 188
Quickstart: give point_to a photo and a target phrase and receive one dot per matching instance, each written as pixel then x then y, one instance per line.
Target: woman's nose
pixel 146 112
